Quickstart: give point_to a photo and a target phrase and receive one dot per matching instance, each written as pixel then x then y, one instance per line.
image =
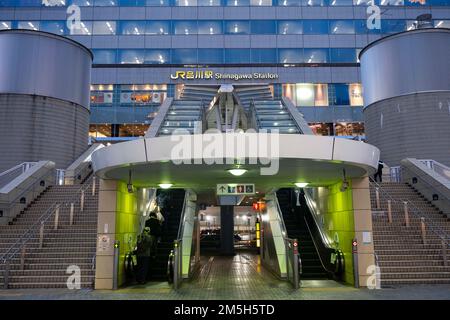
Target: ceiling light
pixel 301 184
pixel 165 185
pixel 237 172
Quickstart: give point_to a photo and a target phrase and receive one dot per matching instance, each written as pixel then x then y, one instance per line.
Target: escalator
pixel 319 260
pixel 171 202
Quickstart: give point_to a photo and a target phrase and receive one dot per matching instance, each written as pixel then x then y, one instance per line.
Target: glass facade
pixel 138 45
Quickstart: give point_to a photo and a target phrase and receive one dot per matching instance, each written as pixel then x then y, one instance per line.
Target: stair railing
pixel 39 227
pixel 425 223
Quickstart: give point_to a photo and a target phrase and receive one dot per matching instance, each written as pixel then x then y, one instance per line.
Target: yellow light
pixel 165 185
pixel 301 184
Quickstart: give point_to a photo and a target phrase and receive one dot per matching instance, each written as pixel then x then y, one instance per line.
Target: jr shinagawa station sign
pixel 212 75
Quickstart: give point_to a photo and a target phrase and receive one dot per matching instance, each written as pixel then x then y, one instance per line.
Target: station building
pixel 218 113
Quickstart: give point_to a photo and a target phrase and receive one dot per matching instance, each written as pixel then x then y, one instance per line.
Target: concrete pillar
pixel 106 226
pixel 227 230
pixel 363 230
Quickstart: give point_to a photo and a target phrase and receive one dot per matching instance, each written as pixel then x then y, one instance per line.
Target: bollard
pixel 116 264
pixel 176 264
pixel 424 231
pixel 56 217
pixel 377 195
pixel 82 201
pixel 355 262
pixel 389 211
pixel 444 252
pixel 295 264
pixel 6 276
pixel 405 209
pixel 22 258
pixel 93 186
pixel 41 235
pixel 71 213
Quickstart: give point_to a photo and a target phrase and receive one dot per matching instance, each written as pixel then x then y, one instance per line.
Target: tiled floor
pixel 235 278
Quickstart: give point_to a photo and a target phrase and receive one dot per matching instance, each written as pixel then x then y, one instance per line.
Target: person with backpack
pixel 143 254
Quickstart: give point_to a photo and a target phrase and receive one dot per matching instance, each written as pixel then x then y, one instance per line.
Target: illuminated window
pixel 290 27
pixel 104 56
pixel 157 56
pixel 28 25
pixel 102 94
pixel 157 27
pixel 185 3
pixel 131 56
pixel 185 27
pixel 132 27
pixel 355 93
pixel 442 23
pixel 104 27
pixel 392 2
pixel 56 27
pixel 210 27
pixel 304 93
pixel 84 28
pixel 260 2
pixel 142 95
pixel 5 25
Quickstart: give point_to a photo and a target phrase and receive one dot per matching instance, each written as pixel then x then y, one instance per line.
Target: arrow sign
pixel 235 189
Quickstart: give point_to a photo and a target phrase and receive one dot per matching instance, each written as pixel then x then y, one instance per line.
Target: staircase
pixel 68 245
pixel 296 229
pixel 171 210
pixel 402 256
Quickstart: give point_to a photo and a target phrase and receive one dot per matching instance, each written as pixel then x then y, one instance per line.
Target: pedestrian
pixel 379 172
pixel 143 253
pixel 155 231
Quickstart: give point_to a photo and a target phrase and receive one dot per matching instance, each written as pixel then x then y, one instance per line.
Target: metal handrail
pixel 26 236
pixel 312 209
pixel 283 226
pixel 181 225
pixel 443 234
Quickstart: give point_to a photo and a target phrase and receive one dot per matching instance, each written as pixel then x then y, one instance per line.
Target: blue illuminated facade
pixel 312 46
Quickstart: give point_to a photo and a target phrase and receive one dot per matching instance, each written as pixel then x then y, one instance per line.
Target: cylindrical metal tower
pixel 406 88
pixel 44 98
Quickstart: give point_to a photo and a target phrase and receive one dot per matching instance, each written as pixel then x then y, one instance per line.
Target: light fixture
pixel 130 184
pixel 301 184
pixel 237 172
pixel 345 183
pixel 165 185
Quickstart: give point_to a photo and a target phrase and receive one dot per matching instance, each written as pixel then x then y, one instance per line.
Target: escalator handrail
pixel 183 213
pixel 325 240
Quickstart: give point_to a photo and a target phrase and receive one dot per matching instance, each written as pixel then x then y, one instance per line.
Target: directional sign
pixel 235 189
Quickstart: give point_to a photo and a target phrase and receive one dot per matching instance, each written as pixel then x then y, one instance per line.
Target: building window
pixel 313 3
pixel 132 27
pixel 260 2
pixel 322 129
pixel 341 27
pixel 290 27
pixel 392 2
pixel 133 130
pixel 263 55
pixel 184 56
pixel 100 130
pixel 349 129
pixel 157 56
pixel 5 25
pixel 289 3
pixel 263 27
pixel 290 55
pixel 185 3
pixel 364 2
pixel 105 3
pixel 307 94
pixel 28 25
pixel 102 95
pixel 210 27
pixel 157 27
pixel 237 27
pixel 157 3
pixel 343 55
pixel 85 28
pixel 104 56
pixel 104 27
pixel 315 26
pixel 210 56
pixel 237 56
pixel 339 94
pixel 185 27
pixel 316 55
pixel 209 3
pixel 237 3
pixel 341 2
pixel 56 27
pixel 142 95
pixel 131 56
pixel 355 93
pixel 393 26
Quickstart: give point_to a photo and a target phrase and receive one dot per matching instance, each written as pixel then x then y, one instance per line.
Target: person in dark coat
pixel 379 172
pixel 143 253
pixel 155 231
